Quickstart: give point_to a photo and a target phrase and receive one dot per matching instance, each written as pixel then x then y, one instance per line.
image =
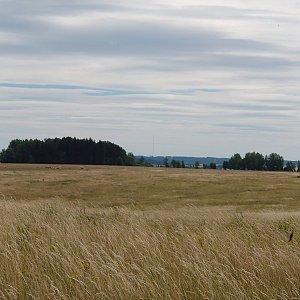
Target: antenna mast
pixel 153 146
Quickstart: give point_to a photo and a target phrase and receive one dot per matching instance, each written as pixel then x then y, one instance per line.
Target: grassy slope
pixel 133 233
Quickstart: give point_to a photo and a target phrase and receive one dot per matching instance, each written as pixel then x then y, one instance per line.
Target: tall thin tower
pixel 153 146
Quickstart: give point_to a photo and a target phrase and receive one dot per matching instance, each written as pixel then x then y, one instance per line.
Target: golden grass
pixel 190 245
pixel 102 186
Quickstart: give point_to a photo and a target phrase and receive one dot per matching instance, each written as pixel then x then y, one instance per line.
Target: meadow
pixel 98 232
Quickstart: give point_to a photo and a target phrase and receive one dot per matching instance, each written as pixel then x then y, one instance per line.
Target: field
pixel 87 232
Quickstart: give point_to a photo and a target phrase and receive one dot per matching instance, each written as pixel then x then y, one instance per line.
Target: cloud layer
pixel 203 79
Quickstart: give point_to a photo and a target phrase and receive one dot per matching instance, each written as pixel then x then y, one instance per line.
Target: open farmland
pixel 87 232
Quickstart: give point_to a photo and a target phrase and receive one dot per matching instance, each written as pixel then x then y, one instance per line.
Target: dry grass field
pixel 86 232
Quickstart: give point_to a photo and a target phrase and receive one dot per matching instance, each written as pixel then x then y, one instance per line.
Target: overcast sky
pixel 196 77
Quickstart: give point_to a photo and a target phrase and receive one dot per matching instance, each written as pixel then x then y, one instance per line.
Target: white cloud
pixel 220 78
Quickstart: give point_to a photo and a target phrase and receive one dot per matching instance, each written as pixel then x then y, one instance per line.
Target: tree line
pixel 258 162
pixel 65 150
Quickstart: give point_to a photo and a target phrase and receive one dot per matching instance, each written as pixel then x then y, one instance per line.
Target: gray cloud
pixel 129 38
pixel 255 128
pixel 113 35
pixel 205 74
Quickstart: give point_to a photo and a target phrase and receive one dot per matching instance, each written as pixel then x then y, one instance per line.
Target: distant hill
pixel 188 160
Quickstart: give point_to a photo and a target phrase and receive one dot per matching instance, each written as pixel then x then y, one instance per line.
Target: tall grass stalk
pixel 54 251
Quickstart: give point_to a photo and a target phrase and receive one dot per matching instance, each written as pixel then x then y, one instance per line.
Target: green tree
pixel 254 161
pixel 130 161
pixel 274 162
pixel 197 164
pixel 225 164
pixel 212 165
pixel 66 150
pixel 182 164
pixel 235 162
pixel 290 167
pixel 166 162
pixel 298 166
pixel 175 163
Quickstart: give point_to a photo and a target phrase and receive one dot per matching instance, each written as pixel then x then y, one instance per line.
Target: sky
pixel 161 77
